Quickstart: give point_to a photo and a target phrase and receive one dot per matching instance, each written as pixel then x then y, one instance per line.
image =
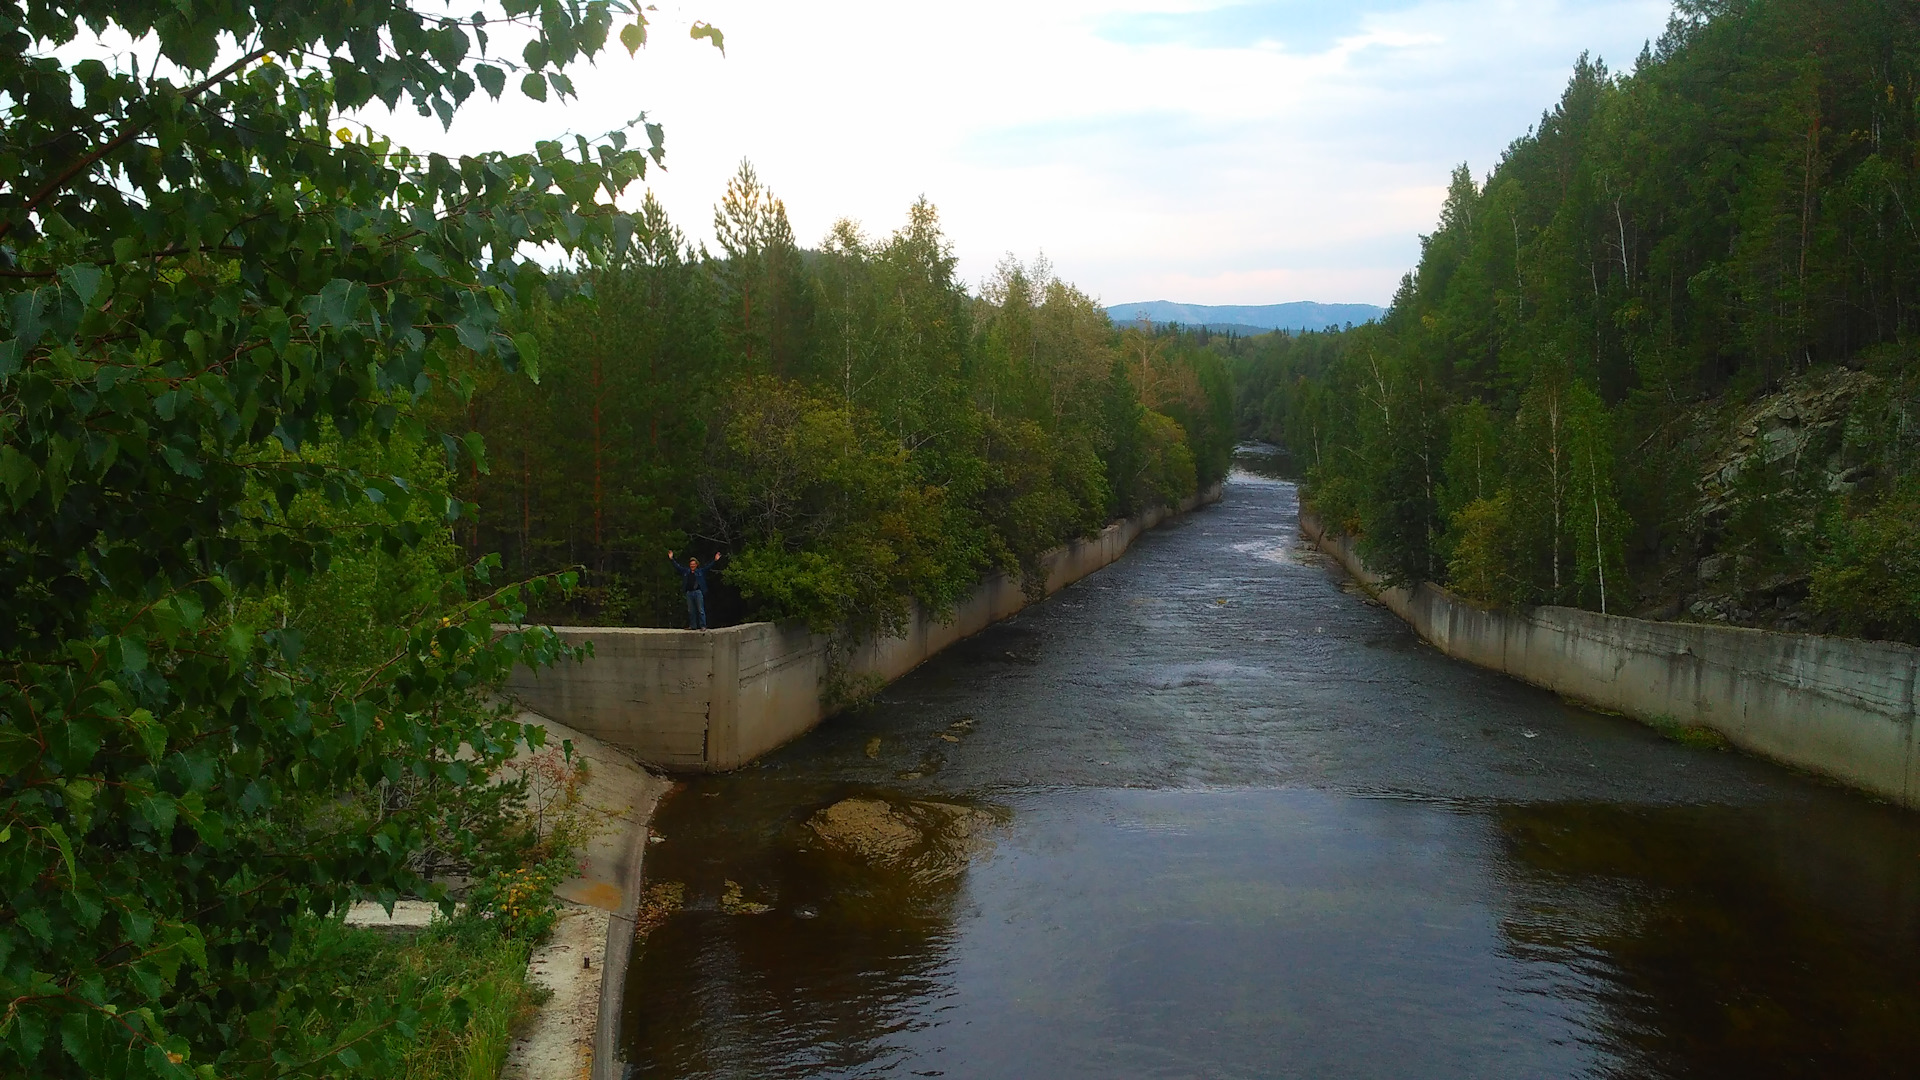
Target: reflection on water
pixel 1299 933
pixel 1723 941
pixel 1266 459
pixel 848 955
pixel 1206 815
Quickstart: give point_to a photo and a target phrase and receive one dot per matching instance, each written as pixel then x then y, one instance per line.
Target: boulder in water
pixel 931 841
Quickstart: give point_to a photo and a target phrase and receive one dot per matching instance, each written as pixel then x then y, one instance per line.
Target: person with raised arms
pixel 693 580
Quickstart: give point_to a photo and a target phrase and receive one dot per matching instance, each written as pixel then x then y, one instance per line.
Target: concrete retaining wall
pixel 711 701
pixel 1843 708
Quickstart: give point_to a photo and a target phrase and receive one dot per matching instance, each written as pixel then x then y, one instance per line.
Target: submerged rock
pixel 931 841
pixel 733 901
pixel 658 904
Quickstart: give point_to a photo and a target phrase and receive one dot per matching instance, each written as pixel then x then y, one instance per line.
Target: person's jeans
pixel 696 611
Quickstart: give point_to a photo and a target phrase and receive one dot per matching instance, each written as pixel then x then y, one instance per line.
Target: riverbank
pixel 606 801
pixel 583 963
pixel 1843 708
pixel 709 701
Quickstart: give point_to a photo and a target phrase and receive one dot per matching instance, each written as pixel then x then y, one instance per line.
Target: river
pixel 1245 824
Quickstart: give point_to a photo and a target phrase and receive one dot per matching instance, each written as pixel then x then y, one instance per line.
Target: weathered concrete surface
pixel 558 1044
pixel 1843 708
pixel 407 916
pixel 710 701
pixel 576 1033
pixel 617 799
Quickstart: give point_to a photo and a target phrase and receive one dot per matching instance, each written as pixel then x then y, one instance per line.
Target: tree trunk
pixel 1599 548
pixel 1555 485
pixel 1519 283
pixel 599 544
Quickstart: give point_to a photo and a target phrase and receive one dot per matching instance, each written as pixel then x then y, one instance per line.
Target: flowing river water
pixel 1239 822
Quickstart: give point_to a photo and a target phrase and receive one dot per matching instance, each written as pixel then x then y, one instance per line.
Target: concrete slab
pixel 584 963
pixel 408 916
pixel 618 797
pixel 558 1043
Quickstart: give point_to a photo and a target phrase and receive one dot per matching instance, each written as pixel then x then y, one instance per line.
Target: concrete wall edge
pixel 711 701
pixel 1843 708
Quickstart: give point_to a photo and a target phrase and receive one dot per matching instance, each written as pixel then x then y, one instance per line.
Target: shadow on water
pixel 1227 821
pixel 805 943
pixel 1268 460
pixel 1729 941
pixel 1252 932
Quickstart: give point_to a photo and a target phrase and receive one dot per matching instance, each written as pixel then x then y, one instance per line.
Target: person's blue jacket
pixel 694 580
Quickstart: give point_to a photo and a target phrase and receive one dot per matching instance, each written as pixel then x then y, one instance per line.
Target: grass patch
pixel 1696 736
pixel 440 1004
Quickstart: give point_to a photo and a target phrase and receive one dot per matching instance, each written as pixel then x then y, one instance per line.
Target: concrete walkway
pixel 584 963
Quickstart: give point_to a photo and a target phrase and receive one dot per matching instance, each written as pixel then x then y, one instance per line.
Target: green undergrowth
pixel 441 1004
pixel 1698 737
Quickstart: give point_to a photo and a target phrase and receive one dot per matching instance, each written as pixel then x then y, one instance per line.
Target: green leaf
pixel 16 749
pixel 476 445
pixel 151 733
pixel 160 810
pixel 84 280
pixel 534 86
pixel 338 303
pixel 133 654
pixel 194 944
pixel 65 845
pixel 188 608
pixel 634 35
pixel 711 33
pixel 19 474
pixel 492 79
pixel 29 1030
pixel 528 347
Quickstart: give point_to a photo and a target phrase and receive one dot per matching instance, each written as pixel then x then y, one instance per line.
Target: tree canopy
pixel 857 427
pixel 1556 407
pixel 223 304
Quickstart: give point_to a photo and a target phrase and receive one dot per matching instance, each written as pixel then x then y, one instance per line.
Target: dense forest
pixel 850 424
pixel 1661 360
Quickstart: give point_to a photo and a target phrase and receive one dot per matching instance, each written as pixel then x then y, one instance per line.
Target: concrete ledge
pixel 407 917
pixel 709 701
pixel 1840 707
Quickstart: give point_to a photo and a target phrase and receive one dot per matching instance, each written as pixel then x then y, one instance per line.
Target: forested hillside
pixel 1662 359
pixel 851 424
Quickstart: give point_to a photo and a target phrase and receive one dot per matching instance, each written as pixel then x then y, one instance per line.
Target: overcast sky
pixel 1239 153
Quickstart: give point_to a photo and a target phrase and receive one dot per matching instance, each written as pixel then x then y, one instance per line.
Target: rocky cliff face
pixel 1773 467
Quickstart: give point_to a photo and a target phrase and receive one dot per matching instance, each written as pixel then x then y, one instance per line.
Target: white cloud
pixel 1205 152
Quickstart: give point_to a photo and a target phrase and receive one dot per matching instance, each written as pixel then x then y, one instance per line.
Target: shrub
pixel 1868 577
pixel 1481 568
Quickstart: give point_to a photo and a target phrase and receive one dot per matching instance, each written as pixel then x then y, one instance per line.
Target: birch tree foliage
pixel 1400 445
pixel 203 268
pixel 1569 526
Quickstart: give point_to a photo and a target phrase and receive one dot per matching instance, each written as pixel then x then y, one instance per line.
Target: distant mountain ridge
pixel 1299 315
